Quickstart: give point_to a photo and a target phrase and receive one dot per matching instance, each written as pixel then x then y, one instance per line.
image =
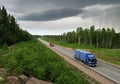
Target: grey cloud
pixel 69 3
pixel 43 10
pixel 108 17
pixel 110 11
pixel 51 15
pixel 25 6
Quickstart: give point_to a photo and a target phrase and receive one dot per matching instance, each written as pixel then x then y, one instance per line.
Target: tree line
pixel 101 38
pixel 10 32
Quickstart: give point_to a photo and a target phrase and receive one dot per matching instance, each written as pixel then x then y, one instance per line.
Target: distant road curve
pixel 109 72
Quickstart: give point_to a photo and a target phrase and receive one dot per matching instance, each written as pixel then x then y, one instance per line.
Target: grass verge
pixel 32 58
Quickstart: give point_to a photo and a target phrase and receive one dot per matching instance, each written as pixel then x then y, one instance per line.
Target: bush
pixel 32 58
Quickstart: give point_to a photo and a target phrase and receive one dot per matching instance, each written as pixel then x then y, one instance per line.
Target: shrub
pixel 32 58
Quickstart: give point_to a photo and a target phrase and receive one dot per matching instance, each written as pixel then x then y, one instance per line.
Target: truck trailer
pixel 86 57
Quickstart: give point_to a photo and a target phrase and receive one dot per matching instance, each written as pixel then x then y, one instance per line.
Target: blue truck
pixel 86 57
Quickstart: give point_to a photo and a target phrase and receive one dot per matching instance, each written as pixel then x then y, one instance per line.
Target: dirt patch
pixel 22 79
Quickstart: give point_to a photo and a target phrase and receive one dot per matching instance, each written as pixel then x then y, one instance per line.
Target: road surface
pixel 108 71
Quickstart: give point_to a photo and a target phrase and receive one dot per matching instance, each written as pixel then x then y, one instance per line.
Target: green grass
pixel 109 55
pixel 32 58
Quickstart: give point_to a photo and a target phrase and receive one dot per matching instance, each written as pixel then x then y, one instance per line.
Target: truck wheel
pixel 89 65
pixel 84 62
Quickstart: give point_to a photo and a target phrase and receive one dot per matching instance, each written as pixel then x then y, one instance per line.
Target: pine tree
pixel 92 33
pixel 10 33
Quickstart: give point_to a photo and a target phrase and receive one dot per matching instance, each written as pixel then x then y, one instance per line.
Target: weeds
pixel 32 58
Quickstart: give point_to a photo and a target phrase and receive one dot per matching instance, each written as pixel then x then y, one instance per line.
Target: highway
pixel 108 71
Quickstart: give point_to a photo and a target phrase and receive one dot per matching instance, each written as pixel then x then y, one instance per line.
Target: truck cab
pixel 91 60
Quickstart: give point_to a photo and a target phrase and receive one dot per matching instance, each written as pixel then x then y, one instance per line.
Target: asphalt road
pixel 108 71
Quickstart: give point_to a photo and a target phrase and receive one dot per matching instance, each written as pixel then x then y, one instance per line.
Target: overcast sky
pixel 46 17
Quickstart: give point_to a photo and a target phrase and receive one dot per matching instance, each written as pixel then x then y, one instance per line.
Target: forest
pixel 101 38
pixel 10 32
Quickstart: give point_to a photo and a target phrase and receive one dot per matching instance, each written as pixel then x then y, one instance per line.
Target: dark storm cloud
pixel 65 3
pixel 43 10
pixel 51 15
